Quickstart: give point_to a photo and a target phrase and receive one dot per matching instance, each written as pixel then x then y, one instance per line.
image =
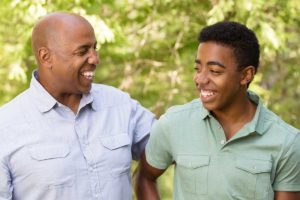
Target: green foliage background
pixel 148 47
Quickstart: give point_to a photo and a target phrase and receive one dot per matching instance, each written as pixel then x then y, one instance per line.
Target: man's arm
pixel 287 195
pixel 5 183
pixel 145 180
pixel 141 122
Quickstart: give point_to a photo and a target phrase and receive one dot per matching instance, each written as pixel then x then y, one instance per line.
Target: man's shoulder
pixel 12 104
pixel 12 110
pixel 109 94
pixel 107 90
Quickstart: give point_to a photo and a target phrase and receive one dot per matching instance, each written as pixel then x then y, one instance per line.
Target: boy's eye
pixel 215 72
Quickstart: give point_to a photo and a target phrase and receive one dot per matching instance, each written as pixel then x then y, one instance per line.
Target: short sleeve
pixel 5 182
pixel 287 176
pixel 141 122
pixel 158 149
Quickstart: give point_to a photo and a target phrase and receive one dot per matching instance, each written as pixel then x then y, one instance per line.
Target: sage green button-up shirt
pixel 262 157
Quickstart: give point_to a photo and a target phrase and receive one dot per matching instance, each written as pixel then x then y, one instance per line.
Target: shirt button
pixel 222 142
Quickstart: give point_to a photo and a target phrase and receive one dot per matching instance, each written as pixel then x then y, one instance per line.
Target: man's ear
pixel 248 75
pixel 44 55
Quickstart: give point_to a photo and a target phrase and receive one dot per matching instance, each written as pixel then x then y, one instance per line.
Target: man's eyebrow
pixel 85 46
pixel 216 63
pixel 197 61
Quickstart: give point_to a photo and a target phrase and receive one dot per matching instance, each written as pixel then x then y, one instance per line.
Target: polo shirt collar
pixel 257 125
pixel 45 102
pixel 258 122
pixel 204 113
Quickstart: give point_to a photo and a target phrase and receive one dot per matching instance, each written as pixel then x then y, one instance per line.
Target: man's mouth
pixel 88 74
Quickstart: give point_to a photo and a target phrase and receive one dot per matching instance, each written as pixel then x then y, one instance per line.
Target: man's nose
pixel 93 57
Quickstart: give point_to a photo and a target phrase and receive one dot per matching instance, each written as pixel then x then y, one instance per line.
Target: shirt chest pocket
pixel 50 165
pixel 192 171
pixel 115 156
pixel 42 152
pixel 115 141
pixel 252 179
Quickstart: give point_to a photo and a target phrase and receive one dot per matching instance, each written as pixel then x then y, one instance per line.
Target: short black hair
pixel 237 36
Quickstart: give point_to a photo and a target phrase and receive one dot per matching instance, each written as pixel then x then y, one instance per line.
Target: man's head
pixel 227 59
pixel 64 46
pixel 238 37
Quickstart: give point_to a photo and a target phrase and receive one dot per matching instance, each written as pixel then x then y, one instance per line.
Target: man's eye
pixel 81 53
pixel 197 69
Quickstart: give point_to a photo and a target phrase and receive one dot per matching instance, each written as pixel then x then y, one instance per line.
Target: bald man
pixel 65 137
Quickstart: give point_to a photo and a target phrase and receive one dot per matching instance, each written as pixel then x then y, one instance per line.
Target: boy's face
pixel 217 77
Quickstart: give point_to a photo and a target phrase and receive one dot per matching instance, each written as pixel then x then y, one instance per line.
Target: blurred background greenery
pixel 148 47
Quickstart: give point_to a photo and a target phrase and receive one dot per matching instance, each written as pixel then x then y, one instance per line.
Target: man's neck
pixel 72 101
pixel 233 119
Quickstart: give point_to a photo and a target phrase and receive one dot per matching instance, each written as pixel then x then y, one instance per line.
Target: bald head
pixel 53 29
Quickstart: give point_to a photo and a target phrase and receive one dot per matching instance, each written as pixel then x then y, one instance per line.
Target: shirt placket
pixel 219 133
pixel 89 157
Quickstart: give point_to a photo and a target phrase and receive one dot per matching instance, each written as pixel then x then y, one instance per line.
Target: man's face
pixel 217 78
pixel 74 59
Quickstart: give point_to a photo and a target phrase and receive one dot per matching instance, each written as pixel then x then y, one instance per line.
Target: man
pixel 64 137
pixel 227 145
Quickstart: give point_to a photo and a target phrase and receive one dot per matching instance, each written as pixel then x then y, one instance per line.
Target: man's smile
pixel 88 75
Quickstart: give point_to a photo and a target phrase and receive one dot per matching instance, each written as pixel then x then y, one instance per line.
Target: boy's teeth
pixel 206 93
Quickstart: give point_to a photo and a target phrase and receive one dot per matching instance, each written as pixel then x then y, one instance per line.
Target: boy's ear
pixel 247 75
pixel 44 56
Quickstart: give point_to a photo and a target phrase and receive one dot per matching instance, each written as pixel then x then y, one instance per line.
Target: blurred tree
pixel 148 47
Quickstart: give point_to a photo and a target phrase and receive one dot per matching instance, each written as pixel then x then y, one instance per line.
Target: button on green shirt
pixel 262 157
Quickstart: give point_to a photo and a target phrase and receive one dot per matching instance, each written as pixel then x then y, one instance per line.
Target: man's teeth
pixel 207 93
pixel 88 74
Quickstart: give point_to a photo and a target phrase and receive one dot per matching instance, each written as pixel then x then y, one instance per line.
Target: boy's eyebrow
pixel 216 63
pixel 197 61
